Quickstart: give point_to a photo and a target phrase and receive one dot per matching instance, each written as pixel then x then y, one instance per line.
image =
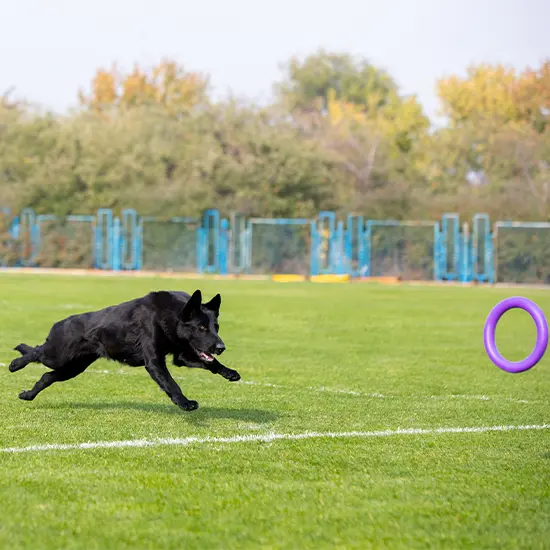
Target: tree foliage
pixel 340 137
pixel 166 84
pixel 497 139
pixel 309 82
pixel 498 93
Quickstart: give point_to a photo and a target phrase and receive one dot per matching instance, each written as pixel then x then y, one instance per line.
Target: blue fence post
pixel 450 230
pixel 246 247
pixel 104 239
pixel 224 247
pixel 116 248
pixel 481 273
pixel 490 257
pixel 437 252
pixel 211 240
pixel 465 263
pixel 315 250
pixel 139 243
pixel 367 269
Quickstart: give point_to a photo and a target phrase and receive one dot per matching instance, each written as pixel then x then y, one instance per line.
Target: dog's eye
pixel 203 328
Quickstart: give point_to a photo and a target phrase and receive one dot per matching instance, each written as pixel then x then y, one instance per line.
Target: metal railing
pixel 441 250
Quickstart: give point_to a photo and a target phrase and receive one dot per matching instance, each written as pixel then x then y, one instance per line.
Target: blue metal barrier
pixel 465 272
pixel 450 247
pixel 211 241
pixel 508 252
pixel 482 249
pixel 224 247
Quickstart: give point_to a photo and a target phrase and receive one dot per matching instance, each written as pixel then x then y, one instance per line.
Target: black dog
pixel 138 333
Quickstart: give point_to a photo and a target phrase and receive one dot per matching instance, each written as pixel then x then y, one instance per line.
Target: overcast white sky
pixel 50 48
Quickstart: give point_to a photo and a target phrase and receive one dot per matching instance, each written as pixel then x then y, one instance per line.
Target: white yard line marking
pixel 264 438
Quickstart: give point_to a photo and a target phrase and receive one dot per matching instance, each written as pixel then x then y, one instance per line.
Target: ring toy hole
pixel 516 334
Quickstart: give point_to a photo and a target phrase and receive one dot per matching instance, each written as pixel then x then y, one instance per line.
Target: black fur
pixel 138 333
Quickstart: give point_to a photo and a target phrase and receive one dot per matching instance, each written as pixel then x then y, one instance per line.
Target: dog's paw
pixel 16 364
pixel 26 395
pixel 188 405
pixel 232 375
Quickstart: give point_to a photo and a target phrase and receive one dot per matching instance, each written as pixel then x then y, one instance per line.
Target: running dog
pixel 141 332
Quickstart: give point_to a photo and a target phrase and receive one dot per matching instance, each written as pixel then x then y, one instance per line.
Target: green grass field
pixel 313 358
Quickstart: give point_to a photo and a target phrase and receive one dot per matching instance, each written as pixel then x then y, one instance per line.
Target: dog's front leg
pixel 156 367
pixel 229 374
pixel 215 367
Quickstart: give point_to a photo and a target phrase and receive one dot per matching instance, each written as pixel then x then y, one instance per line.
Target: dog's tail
pixel 23 349
pixel 27 356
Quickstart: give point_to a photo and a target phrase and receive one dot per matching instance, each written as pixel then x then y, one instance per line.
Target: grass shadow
pixel 258 416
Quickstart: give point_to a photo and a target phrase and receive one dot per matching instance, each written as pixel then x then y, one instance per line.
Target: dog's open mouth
pixel 206 356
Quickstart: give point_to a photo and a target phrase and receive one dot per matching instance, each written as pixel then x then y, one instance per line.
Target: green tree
pixel 308 82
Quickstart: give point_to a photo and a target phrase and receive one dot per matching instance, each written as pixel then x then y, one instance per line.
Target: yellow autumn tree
pixel 497 135
pixel 167 84
pixel 497 93
pixel 400 120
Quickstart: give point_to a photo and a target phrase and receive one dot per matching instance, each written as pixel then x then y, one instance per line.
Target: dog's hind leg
pixel 28 355
pixel 61 374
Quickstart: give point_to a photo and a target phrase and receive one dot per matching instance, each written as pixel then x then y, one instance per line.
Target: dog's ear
pixel 192 306
pixel 214 304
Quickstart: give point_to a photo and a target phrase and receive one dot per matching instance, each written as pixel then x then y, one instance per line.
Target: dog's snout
pixel 220 348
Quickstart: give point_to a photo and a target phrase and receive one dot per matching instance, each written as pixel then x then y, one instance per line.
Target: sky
pixel 51 48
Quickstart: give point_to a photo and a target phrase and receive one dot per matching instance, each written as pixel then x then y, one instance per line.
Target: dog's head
pixel 199 326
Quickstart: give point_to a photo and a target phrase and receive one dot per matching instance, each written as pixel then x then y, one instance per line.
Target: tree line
pixel 339 135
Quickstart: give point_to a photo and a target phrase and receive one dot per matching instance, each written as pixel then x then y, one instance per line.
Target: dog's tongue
pixel 206 356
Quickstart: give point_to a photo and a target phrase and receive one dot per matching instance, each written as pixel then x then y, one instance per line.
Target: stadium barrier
pixel 322 249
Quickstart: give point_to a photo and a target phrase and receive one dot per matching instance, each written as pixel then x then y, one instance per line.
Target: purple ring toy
pixel 490 328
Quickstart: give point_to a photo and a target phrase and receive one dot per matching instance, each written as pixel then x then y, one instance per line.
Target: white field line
pixel 263 438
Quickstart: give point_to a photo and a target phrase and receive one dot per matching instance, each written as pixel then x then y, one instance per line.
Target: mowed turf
pixel 313 358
